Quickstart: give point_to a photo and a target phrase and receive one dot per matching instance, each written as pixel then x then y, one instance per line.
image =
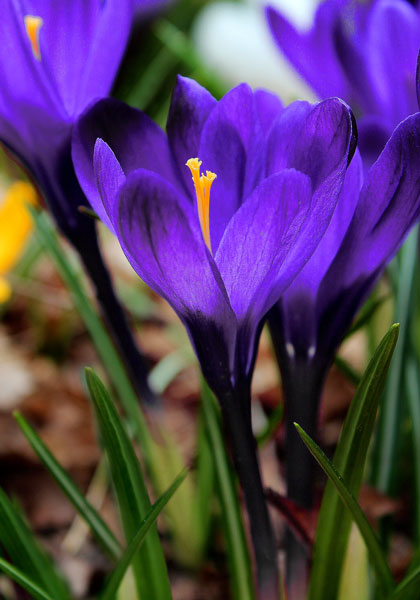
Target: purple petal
pixel 268 107
pixel 109 178
pixel 232 145
pixel 81 45
pixel 389 206
pixel 312 53
pixel 313 272
pixel 162 239
pixel 259 237
pixel 393 45
pixel 312 139
pixel 190 107
pixel 135 139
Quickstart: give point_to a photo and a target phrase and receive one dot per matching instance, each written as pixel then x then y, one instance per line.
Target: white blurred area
pixel 234 40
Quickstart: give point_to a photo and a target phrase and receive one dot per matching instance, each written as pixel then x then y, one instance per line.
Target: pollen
pixel 202 185
pixel 33 25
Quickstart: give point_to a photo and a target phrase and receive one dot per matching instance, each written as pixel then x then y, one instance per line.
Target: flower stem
pixel 115 318
pixel 237 416
pixel 303 380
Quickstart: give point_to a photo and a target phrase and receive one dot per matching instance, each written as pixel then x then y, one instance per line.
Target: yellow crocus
pixel 15 227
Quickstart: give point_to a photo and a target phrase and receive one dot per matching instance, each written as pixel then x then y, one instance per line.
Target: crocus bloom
pixel 221 248
pixel 372 218
pixel 15 228
pixel 56 57
pixel 273 197
pixel 364 52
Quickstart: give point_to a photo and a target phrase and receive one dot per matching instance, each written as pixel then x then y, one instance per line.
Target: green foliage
pixel 26 554
pixel 149 565
pixel 136 542
pixel 237 548
pixel 350 459
pixel 24 581
pixel 384 578
pixel 99 528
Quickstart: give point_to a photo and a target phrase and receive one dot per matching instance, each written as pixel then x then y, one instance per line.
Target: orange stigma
pixel 202 184
pixel 32 26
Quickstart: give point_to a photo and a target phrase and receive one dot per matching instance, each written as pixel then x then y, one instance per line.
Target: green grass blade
pixel 334 521
pixel 97 331
pixel 24 581
pixel 237 548
pixel 136 542
pixel 99 528
pixel 25 552
pixel 149 565
pixel 384 577
pixel 408 588
pixel 413 396
pixel 384 456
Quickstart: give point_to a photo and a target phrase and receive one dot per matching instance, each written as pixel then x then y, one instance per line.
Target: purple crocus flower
pixel 372 218
pixel 364 52
pixel 56 57
pixel 222 247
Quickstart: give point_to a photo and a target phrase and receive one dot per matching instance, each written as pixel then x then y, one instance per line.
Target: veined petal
pixel 191 104
pixel 232 145
pixel 268 107
pixel 135 139
pixel 259 237
pixel 109 178
pixel 81 45
pixel 389 206
pixel 312 139
pixel 161 237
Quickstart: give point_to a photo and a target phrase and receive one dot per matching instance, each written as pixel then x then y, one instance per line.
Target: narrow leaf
pixel 99 528
pixel 384 456
pixel 136 542
pixel 24 581
pixel 149 565
pixel 103 344
pixel 384 577
pixel 25 552
pixel 409 587
pixel 237 548
pixel 334 521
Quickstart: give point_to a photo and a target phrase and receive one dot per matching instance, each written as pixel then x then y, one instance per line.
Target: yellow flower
pixel 15 227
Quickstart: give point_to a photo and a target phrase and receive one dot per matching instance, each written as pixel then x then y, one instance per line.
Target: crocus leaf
pixel 384 463
pixel 412 387
pixel 408 588
pixel 334 521
pixel 95 327
pixel 136 542
pixel 384 577
pixel 24 581
pixel 24 551
pixel 99 528
pixel 148 564
pixel 237 548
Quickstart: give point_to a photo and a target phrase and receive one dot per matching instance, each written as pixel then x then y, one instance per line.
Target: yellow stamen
pixel 32 26
pixel 202 185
